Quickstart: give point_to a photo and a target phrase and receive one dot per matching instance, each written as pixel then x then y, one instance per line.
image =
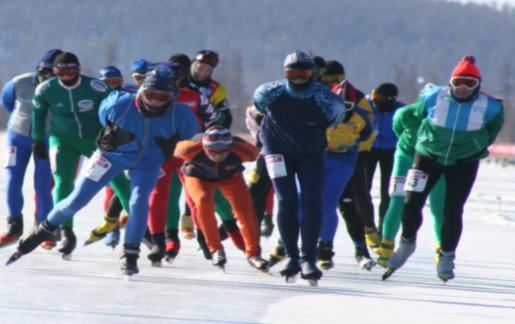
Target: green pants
pixel 222 206
pixel 65 154
pixel 392 219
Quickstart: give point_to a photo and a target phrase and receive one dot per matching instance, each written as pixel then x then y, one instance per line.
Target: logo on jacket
pixel 98 85
pixel 85 105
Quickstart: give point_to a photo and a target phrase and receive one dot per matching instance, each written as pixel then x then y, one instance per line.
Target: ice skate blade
pixel 290 279
pixel 169 260
pixel 367 264
pixel 156 264
pixel 388 273
pixel 313 282
pixel 14 257
pixel 67 257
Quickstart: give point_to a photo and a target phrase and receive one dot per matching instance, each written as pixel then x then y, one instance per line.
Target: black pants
pixel 260 185
pixel 459 179
pixel 385 160
pixel 355 205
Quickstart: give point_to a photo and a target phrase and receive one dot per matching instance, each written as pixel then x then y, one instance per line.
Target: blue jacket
pixel 140 141
pixel 295 122
pixel 385 137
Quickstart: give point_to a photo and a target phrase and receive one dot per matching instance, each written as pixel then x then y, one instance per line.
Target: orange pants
pixel 235 190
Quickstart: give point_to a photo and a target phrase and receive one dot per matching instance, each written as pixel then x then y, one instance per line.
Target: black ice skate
pixel 363 258
pixel 39 234
pixel 13 233
pixel 129 259
pixel 290 271
pixel 68 244
pixel 259 263
pixel 310 272
pixel 219 259
pixel 157 253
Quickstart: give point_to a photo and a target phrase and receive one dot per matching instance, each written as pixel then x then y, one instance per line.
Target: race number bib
pixel 416 180
pixel 96 167
pixel 275 165
pixel 397 186
pixel 52 155
pixel 10 159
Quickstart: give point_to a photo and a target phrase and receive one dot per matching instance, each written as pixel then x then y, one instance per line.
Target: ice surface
pixel 42 288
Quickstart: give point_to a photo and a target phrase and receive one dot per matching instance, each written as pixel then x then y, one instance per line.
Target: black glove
pixel 39 150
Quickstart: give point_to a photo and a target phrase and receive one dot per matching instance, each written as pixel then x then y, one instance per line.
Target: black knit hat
pixel 181 59
pixel 66 60
pixel 387 90
pixel 334 68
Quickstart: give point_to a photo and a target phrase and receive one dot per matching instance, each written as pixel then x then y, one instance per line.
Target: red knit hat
pixel 466 67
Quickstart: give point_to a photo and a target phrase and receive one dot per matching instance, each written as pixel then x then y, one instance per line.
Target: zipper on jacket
pixel 452 134
pixel 72 108
pixel 144 141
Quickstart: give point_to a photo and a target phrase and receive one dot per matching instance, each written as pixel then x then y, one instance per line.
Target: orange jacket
pixel 197 164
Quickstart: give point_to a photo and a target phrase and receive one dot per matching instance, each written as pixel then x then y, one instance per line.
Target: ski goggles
pixel 156 96
pixel 381 98
pixel 66 71
pixel 465 82
pixel 298 74
pixel 45 73
pixel 332 78
pixel 208 57
pixel 113 82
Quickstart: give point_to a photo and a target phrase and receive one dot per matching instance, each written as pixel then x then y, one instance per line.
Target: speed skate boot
pixel 372 238
pixel 325 255
pixel 203 245
pixel 277 255
pixel 13 233
pixel 173 245
pixel 445 265
pixel 44 231
pixel 310 272
pixel 401 255
pixel 157 253
pixel 108 224
pixel 290 270
pixel 385 251
pixel 256 261
pixel 129 259
pixel 219 259
pixel 68 244
pixel 362 256
pixel 187 229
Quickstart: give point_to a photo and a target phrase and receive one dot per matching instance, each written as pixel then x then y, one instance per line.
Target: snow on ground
pixel 43 288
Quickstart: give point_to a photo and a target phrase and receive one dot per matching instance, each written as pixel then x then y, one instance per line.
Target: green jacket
pixel 74 109
pixel 405 125
pixel 453 131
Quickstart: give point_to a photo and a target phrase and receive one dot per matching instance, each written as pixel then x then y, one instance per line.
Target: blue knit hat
pixel 109 72
pixel 140 66
pixel 160 78
pixel 47 60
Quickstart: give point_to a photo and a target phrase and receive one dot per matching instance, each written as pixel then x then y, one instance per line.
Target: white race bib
pixel 96 167
pixel 416 180
pixel 10 159
pixel 275 165
pixel 397 186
